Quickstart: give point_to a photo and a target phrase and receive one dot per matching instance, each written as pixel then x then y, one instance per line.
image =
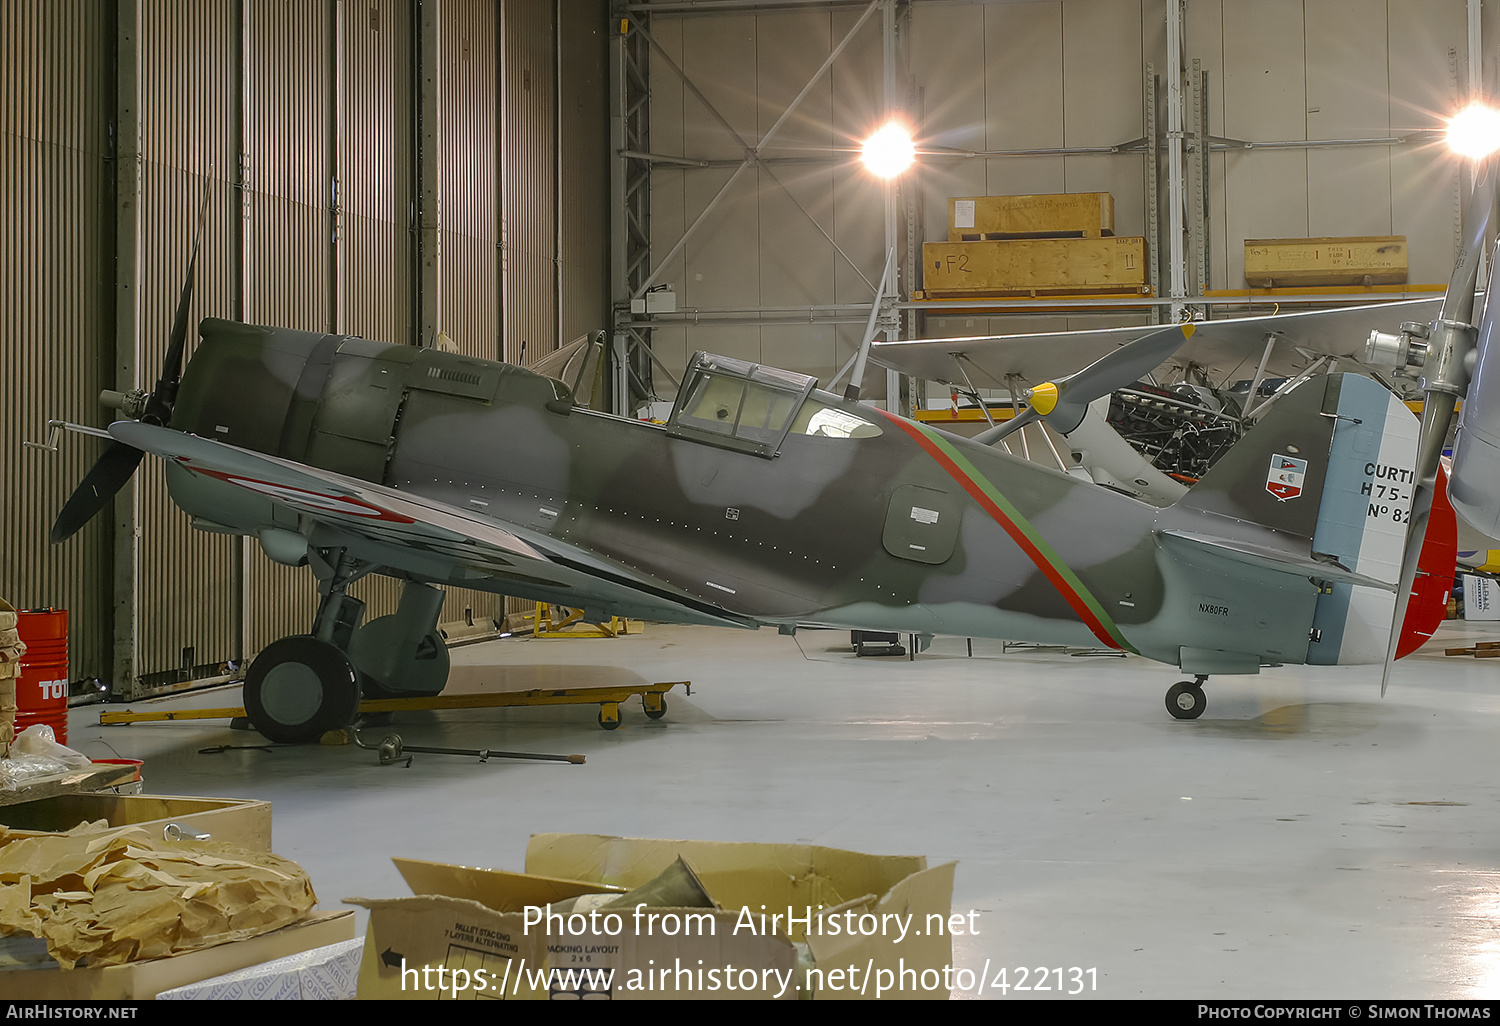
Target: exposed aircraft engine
pixel 1178 433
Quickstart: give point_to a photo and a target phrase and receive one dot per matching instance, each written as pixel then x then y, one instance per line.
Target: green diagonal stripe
pixel 1048 552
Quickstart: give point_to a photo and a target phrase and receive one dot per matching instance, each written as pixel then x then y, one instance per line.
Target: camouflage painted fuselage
pixel 894 526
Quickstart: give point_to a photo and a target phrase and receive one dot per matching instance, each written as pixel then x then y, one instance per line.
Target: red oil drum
pixel 42 688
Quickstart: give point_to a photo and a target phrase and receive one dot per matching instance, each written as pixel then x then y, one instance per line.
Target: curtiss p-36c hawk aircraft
pixel 766 501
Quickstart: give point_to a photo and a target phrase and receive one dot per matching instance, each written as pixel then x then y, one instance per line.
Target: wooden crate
pixel 241 821
pixel 1058 215
pixel 1034 267
pixel 1363 260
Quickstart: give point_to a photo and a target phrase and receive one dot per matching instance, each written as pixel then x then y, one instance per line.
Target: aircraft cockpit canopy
pixel 752 408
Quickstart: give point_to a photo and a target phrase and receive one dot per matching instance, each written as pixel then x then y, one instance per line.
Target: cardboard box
pixel 1063 214
pixel 137 981
pixel 793 921
pixel 246 824
pixel 1364 260
pixel 1026 266
pixel 327 973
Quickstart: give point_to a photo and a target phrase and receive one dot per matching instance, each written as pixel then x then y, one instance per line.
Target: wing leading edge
pixel 1222 345
pixel 414 534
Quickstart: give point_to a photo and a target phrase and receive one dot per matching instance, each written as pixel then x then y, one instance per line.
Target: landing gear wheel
pixel 1186 701
pixel 299 688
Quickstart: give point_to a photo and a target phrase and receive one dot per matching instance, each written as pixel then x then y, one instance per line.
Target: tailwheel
pixel 299 688
pixel 1185 699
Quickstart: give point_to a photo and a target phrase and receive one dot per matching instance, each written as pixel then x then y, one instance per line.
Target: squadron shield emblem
pixel 1284 480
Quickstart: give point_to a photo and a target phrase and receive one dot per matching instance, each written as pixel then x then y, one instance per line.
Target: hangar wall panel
pixel 953 100
pixel 56 81
pixel 668 184
pixel 1041 75
pixel 469 214
pixel 1102 41
pixel 469 188
pixel 1426 204
pixel 290 70
pixel 187 582
pixel 375 173
pixel 1204 38
pixel 312 103
pixel 288 162
pixel 583 290
pixel 530 175
pixel 858 202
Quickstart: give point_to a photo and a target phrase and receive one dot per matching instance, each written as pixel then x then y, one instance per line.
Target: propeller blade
pixel 1064 402
pixel 1444 380
pixel 108 475
pixel 113 469
pixel 989 436
pixel 159 405
pixel 1123 367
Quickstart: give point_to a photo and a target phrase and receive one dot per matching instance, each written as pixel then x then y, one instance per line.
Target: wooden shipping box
pixel 242 822
pixel 137 981
pixel 1022 266
pixel 1364 260
pixel 1077 214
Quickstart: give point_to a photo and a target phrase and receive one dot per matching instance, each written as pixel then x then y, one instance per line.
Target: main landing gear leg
pixel 1185 700
pixel 301 687
pixel 403 655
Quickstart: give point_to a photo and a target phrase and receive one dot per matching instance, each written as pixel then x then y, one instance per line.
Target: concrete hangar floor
pixel 1303 839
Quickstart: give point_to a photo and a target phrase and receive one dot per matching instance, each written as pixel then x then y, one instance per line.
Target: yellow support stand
pixel 653 703
pixel 569 624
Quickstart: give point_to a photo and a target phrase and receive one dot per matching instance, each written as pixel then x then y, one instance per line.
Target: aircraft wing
pixel 419 535
pixel 1230 349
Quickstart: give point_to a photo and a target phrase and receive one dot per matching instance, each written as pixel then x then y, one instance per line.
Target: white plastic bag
pixel 35 753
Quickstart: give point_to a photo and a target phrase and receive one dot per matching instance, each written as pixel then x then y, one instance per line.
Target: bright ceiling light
pixel 889 151
pixel 1474 131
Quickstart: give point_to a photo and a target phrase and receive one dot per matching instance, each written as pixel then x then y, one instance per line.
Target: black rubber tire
pixel 1186 700
pixel 299 688
pixel 657 714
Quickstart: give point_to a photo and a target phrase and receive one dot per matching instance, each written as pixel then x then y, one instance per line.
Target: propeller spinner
pixel 1063 403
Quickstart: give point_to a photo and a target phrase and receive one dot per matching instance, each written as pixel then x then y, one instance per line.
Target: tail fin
pixel 1330 467
pixel 1275 475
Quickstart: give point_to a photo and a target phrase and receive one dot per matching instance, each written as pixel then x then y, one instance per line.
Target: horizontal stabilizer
pixel 1322 488
pixel 1322 568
